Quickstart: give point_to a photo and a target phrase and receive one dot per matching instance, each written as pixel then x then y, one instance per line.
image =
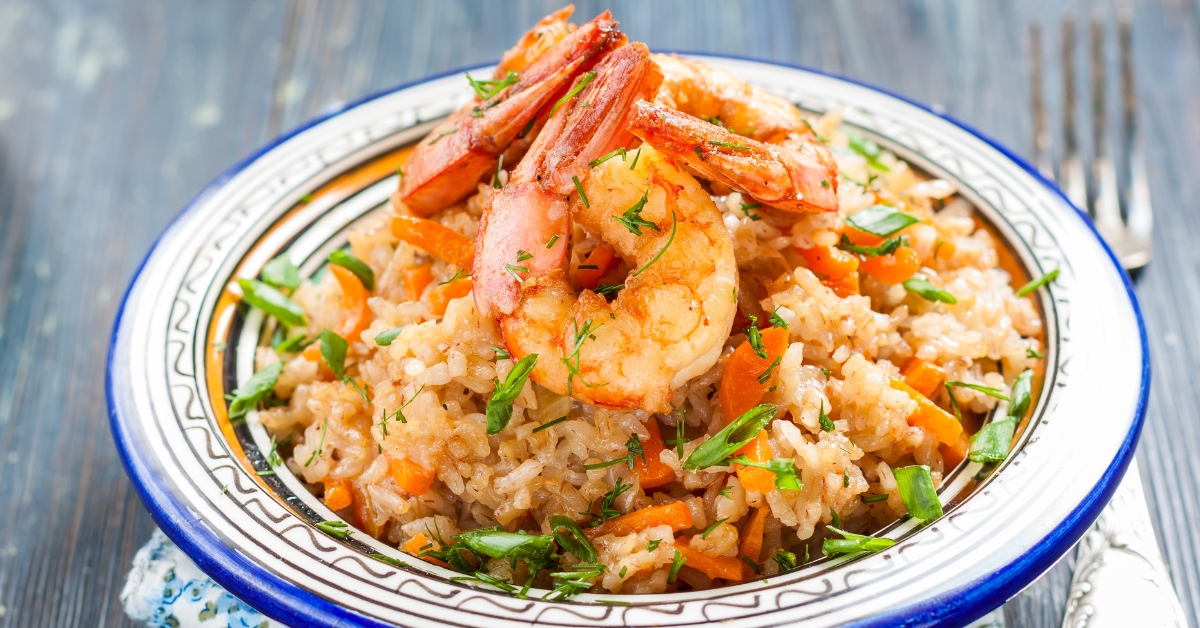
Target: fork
pixel 1120 578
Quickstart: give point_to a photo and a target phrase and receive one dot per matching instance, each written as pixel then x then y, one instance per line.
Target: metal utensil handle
pixel 1120 578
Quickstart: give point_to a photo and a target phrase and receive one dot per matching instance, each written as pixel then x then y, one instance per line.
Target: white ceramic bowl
pixel 254 535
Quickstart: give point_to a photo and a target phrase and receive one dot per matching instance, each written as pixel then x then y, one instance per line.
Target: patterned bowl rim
pixel 292 604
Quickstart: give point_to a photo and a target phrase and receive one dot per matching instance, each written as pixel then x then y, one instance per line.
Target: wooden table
pixel 114 114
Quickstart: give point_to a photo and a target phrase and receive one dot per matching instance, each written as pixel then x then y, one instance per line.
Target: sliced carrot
pixel 416 279
pixel 843 286
pixel 754 478
pixel 943 250
pixel 924 377
pixel 740 388
pixel 604 260
pixel 437 240
pixel 829 261
pixel 356 314
pixel 443 294
pixel 928 415
pixel 752 538
pixel 953 453
pixel 676 514
pixel 861 238
pixel 417 544
pixel 895 268
pixel 726 567
pixel 411 477
pixel 651 472
pixel 338 494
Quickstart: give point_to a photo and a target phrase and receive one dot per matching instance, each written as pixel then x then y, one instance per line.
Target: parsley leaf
pixel 280 272
pixel 881 220
pixel 248 395
pixel 499 407
pixel 272 302
pixel 632 219
pixel 360 269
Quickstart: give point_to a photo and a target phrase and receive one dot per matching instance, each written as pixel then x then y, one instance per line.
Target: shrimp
pixel 456 154
pixel 797 175
pixel 700 90
pixel 670 321
pixel 548 31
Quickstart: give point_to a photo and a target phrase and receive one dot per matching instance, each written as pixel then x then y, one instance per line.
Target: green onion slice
pixel 272 302
pixel 987 390
pixel 731 438
pixel 853 543
pixel 499 407
pixel 991 444
pixel 881 220
pixel 360 269
pixel 385 338
pixel 918 493
pixel 1038 283
pixel 928 291
pixel 280 272
pixel 333 349
pixel 247 396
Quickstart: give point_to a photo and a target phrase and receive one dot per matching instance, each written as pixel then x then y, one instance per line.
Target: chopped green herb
pixel 928 291
pixel 273 459
pixel 826 371
pixel 499 407
pixel 353 264
pixel 573 359
pixel 224 488
pixel 785 559
pixel 853 543
pixel 635 158
pixel 783 468
pixel 881 220
pixel 307 198
pixel 609 289
pixel 753 565
pixel 293 343
pixel 874 498
pixel 954 404
pixel 676 565
pixel 1022 393
pixel 349 381
pixel 699 152
pixel 991 392
pixel 582 195
pixel 386 338
pixel 522 255
pixel 513 270
pixel 496 185
pixel 220 345
pixel 487 89
pixel 632 219
pixel 528 127
pixel 597 162
pixel 728 145
pixel 731 438
pixel 777 320
pixel 443 134
pixel 826 423
pixel 837 521
pixel 1038 283
pixel 337 529
pixel 622 574
pixel 553 239
pixel 247 396
pixel 264 473
pixel 606 503
pixel 501 353
pixel 635 449
pixel 388 559
pixel 1030 353
pixel 606 464
pixel 824 183
pixel 680 437
pixel 549 424
pixel 726 492
pixel 496 543
pixel 766 375
pixel 587 78
pixel 992 442
pixel 887 247
pixel 869 151
pixel 272 302
pixel 746 207
pixel 399 413
pixel 280 272
pixel 918 493
pixel 845 478
pixel 320 444
pixel 755 338
pixel 707 531
pixel 333 350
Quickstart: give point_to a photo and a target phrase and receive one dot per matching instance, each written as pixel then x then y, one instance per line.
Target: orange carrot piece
pixel 753 478
pixel 752 538
pixel 953 453
pixel 861 238
pixel 356 314
pixel 829 261
pixel 651 472
pixel 338 494
pixel 676 514
pixel 928 415
pixel 726 567
pixel 411 477
pixel 895 268
pixel 943 250
pixel 437 240
pixel 415 280
pixel 924 377
pixel 843 286
pixel 443 294
pixel 414 546
pixel 604 260
pixel 740 388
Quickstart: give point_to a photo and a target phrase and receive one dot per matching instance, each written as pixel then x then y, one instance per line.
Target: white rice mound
pixel 843 354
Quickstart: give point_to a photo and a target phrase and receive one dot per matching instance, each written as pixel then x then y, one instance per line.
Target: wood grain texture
pixel 114 114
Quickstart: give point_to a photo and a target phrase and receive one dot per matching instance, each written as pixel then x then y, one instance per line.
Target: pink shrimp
pixel 670 320
pixel 456 154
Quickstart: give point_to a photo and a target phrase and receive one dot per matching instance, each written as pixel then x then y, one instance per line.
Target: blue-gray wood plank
pixel 113 114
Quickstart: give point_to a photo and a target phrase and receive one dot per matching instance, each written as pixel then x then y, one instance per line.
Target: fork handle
pixel 1120 578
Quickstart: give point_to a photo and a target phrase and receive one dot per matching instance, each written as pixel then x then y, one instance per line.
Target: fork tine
pixel 1106 208
pixel 1041 136
pixel 1139 217
pixel 1070 173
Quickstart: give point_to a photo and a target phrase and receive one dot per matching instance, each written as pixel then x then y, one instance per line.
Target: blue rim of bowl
pixel 288 603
